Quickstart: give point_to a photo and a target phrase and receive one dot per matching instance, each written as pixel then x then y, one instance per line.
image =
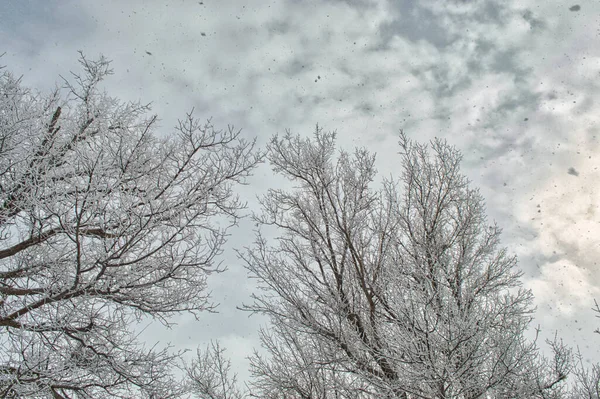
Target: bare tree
pixel 103 223
pixel 586 384
pixel 587 380
pixel 404 286
pixel 210 375
pixel 295 368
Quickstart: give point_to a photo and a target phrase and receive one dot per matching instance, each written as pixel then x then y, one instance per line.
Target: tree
pixel 587 380
pixel 587 377
pixel 402 287
pixel 103 223
pixel 210 375
pixel 295 368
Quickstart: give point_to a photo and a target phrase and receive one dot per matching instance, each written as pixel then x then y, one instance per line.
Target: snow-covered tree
pixel 295 368
pixel 586 377
pixel 210 376
pixel 401 291
pixel 103 222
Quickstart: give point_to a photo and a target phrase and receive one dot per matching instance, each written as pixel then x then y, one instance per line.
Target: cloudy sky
pixel 512 83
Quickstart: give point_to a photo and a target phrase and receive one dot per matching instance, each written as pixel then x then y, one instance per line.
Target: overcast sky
pixel 513 84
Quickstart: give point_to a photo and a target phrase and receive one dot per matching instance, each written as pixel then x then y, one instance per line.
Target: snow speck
pixel 572 171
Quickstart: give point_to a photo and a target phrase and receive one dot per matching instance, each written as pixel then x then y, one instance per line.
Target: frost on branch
pixel 103 222
pixel 400 291
pixel 296 366
pixel 210 375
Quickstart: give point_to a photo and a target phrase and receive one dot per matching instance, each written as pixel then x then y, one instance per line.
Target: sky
pixel 514 84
